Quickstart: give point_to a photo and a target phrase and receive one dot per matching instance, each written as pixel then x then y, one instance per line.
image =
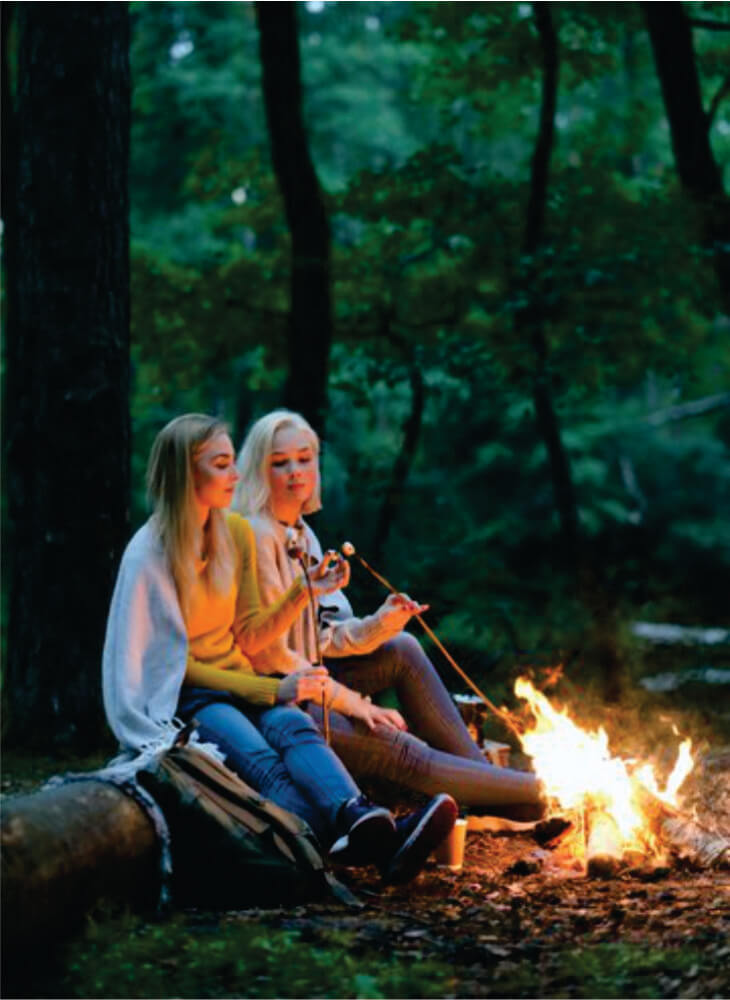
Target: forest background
pixel 519 358
pixel 485 248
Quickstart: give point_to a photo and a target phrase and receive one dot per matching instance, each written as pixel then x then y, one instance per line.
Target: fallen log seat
pixel 67 849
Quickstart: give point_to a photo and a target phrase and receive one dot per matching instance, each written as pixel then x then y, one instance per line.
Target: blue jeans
pixel 279 751
pixel 450 761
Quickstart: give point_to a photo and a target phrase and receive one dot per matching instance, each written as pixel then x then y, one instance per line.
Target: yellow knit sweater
pixel 224 629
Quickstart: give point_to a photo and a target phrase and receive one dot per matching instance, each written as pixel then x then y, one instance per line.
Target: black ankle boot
pixel 368 834
pixel 419 833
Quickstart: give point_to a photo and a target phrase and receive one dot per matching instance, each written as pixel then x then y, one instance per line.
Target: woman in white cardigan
pixel 279 467
pixel 184 621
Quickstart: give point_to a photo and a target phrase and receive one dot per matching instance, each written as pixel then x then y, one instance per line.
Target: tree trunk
pixel 67 428
pixel 8 213
pixel 530 320
pixel 530 323
pixel 310 322
pixel 670 32
pixel 64 851
pixel 395 492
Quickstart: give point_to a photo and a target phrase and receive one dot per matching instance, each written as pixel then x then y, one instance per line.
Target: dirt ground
pixel 508 930
pixel 520 919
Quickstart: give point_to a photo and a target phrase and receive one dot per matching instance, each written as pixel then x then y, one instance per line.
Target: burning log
pixel 687 839
pixel 579 771
pixel 604 850
pixel 682 836
pixel 691 842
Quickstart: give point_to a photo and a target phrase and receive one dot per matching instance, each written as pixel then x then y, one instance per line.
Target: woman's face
pixel 214 471
pixel 292 471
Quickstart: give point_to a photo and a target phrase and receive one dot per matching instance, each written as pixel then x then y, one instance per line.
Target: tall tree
pixel 530 320
pixel 670 31
pixel 310 322
pixel 67 425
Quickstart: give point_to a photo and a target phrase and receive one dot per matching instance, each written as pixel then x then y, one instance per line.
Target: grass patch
pixel 622 970
pixel 24 771
pixel 180 957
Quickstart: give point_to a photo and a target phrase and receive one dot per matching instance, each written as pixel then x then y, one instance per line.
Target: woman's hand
pixel 303 685
pixel 389 717
pixel 374 715
pixel 333 573
pixel 397 611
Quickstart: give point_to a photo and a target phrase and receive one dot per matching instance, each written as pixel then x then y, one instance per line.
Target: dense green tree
pixel 422 122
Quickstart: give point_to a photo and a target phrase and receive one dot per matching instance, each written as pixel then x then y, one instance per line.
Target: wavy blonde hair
pixel 253 492
pixel 171 489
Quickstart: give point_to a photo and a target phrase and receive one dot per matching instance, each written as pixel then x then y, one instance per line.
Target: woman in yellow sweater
pixel 186 616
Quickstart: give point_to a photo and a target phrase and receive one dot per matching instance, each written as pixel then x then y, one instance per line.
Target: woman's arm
pixel 348 702
pixel 255 625
pixel 249 686
pixel 278 657
pixel 341 632
pixel 299 686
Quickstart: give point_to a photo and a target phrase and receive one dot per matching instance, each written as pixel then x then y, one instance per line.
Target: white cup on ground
pixel 450 852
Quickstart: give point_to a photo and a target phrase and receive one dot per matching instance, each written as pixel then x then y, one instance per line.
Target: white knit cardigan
pixel 145 650
pixel 341 633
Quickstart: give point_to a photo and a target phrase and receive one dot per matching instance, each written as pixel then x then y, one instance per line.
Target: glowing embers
pixel 608 793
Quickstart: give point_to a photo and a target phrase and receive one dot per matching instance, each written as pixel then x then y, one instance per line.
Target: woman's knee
pixel 286 726
pixel 408 654
pixel 404 644
pixel 223 722
pixel 401 756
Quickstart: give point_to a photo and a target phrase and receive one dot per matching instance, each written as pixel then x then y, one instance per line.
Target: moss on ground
pixel 184 957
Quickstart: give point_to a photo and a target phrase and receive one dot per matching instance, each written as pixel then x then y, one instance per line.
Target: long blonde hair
pixel 171 489
pixel 253 492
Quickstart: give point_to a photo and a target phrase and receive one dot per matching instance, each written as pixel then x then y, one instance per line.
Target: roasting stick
pixel 348 549
pixel 294 551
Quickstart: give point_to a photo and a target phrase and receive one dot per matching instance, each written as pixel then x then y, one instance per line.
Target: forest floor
pixel 519 920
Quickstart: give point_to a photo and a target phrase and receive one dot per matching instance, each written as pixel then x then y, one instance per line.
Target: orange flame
pixel 580 772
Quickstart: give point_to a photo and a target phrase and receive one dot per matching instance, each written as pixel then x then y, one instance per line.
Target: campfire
pixel 619 815
pixel 622 816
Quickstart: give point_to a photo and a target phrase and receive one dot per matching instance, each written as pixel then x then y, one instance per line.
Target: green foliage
pixel 605 971
pixel 422 120
pixel 204 955
pixel 198 957
pixel 621 970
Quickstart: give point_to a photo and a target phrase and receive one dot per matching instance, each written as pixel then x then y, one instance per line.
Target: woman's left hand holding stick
pixel 304 685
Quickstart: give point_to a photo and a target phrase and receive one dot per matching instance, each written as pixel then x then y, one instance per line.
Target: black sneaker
pixel 369 834
pixel 418 834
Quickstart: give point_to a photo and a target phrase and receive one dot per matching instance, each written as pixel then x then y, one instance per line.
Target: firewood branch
pixel 695 408
pixel 708 24
pixel 717 100
pixel 684 836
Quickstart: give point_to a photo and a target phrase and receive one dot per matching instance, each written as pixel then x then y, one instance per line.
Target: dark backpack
pixel 230 847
